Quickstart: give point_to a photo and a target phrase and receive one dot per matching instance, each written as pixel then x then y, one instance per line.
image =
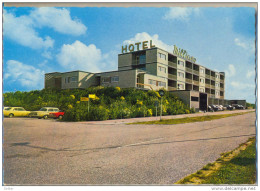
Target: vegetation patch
pixel 234 167
pixel 191 119
pixel 109 103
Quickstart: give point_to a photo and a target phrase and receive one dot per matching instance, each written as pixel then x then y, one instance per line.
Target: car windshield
pixel 43 109
pixel 8 108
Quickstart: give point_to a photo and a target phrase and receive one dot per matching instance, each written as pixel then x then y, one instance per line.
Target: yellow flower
pixel 78 102
pixel 118 88
pixel 72 96
pixel 122 98
pixel 70 106
pixel 166 101
pixel 150 112
pixel 139 102
pixel 157 94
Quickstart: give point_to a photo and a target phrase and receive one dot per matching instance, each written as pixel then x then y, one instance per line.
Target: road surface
pixel 49 152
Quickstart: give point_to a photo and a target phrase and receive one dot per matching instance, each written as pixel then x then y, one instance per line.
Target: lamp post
pixel 161 93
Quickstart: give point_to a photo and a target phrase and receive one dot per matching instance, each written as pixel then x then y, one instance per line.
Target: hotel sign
pixel 137 46
pixel 183 54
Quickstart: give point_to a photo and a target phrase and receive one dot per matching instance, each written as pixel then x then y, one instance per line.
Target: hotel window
pixel 217 93
pixel 181 63
pixel 202 71
pixel 115 79
pixel 180 86
pixel 201 90
pixel 217 76
pixel 217 84
pixel 180 74
pixel 73 79
pixel 141 59
pixel 106 79
pixel 162 56
pixel 162 69
pixel 163 84
pixel 202 80
pixel 150 81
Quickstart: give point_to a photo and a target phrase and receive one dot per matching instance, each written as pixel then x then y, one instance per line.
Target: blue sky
pixel 49 39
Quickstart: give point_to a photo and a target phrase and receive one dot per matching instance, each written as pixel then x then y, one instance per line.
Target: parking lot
pixel 50 152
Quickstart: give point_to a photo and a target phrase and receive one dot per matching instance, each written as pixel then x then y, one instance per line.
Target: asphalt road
pixel 48 152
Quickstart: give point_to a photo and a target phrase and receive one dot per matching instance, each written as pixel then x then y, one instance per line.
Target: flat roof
pixel 69 72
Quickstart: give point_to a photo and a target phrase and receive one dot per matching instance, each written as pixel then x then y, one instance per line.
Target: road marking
pixel 134 144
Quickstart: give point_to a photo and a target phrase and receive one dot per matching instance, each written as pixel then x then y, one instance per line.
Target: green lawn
pixel 191 119
pixel 241 169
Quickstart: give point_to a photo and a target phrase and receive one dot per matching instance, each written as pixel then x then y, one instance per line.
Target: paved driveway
pixel 40 152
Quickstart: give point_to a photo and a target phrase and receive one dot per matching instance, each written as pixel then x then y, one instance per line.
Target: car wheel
pixel 60 117
pixel 11 115
pixel 45 116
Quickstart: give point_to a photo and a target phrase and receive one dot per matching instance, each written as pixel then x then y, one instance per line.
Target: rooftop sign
pixel 183 54
pixel 131 47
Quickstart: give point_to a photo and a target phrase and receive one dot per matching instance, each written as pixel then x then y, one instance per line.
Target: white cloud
pixel 58 19
pixel 248 44
pixel 139 37
pixel 47 54
pixel 25 75
pixel 20 29
pixel 231 71
pixel 250 73
pixel 78 56
pixel 242 86
pixel 180 13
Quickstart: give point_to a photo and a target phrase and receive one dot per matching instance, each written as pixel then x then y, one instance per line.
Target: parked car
pixel 229 107
pixel 238 106
pixel 57 115
pixel 220 107
pixel 214 107
pixel 15 112
pixel 43 112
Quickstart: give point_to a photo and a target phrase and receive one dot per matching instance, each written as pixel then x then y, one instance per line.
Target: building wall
pixel 180 78
pixel 86 80
pixel 125 61
pixel 49 80
pixel 202 79
pixel 126 79
pixel 148 77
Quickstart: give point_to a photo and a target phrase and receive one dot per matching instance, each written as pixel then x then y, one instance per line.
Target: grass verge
pixel 190 119
pixel 235 167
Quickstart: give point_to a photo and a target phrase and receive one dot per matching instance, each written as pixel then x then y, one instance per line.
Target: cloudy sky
pixel 55 39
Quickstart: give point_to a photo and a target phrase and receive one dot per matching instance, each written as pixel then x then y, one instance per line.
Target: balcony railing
pixel 195 82
pixel 195 72
pixel 188 80
pixel 207 76
pixel 188 70
pixel 207 85
pixel 221 81
pixel 170 88
pixel 212 86
pixel 221 89
pixel 172 76
pixel 212 78
pixel 172 64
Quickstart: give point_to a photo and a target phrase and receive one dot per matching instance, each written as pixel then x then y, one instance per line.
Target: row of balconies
pixel 190 70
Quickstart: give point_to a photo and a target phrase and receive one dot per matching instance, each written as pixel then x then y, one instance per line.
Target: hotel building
pixel 152 68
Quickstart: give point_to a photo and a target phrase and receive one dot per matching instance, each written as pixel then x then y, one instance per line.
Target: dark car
pixel 238 106
pixel 213 108
pixel 229 107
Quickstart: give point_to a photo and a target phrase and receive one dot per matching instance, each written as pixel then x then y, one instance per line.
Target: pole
pixel 161 110
pixel 88 105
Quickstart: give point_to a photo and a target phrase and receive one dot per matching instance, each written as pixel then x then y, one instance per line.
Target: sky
pixel 56 39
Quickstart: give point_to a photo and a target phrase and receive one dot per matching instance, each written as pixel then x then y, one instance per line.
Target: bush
pixel 113 103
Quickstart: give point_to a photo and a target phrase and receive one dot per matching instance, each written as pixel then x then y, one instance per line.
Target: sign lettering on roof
pixel 183 54
pixel 137 46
